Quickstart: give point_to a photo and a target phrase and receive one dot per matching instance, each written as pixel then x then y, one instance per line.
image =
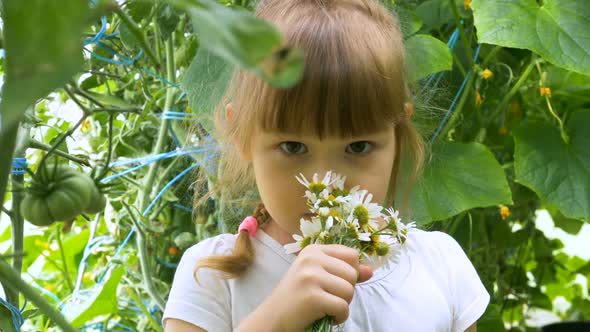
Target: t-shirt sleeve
pixel 206 305
pixel 469 296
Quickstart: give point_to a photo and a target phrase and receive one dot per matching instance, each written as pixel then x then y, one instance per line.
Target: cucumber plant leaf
pixel 555 29
pixel 427 55
pixel 557 171
pixel 459 177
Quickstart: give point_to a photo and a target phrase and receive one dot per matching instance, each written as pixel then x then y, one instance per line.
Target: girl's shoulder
pixel 430 239
pixel 221 244
pixel 435 245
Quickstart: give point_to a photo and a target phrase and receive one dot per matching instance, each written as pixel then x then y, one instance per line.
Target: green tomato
pixel 97 201
pixel 56 193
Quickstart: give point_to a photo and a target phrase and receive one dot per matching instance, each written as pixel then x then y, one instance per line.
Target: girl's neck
pixel 277 233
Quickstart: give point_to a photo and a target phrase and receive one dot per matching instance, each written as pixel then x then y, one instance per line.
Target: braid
pixel 235 265
pixel 261 214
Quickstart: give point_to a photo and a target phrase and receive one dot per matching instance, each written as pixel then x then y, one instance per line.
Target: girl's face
pixel 277 158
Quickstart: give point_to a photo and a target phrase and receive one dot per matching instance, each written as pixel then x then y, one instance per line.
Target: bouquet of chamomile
pixel 348 217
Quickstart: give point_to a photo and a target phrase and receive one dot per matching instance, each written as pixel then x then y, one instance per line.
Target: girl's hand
pixel 319 283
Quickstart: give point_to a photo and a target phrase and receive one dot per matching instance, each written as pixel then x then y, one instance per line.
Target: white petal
pixel 301 178
pixel 365 237
pixel 292 248
pixel 329 222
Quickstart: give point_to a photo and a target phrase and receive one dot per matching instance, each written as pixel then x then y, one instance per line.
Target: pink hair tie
pixel 250 225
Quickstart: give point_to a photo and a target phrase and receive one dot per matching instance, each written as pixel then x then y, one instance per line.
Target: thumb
pixel 365 273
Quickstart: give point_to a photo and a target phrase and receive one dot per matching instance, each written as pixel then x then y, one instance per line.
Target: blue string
pixel 145 70
pixel 451 44
pixel 182 207
pixel 100 34
pixel 452 107
pixel 165 264
pixel 24 305
pixel 46 292
pixel 19 166
pixel 169 184
pixel 17 317
pixel 127 61
pixel 144 161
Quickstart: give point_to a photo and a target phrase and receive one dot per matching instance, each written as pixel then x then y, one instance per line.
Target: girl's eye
pixel 362 147
pixel 293 147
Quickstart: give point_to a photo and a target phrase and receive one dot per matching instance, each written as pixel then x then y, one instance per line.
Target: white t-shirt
pixel 434 288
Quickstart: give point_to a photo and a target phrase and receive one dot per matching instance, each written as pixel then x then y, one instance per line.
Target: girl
pixel 351 113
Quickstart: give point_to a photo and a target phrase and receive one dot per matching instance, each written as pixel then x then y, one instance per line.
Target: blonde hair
pixel 354 82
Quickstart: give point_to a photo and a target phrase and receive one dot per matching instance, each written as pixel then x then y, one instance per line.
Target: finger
pixel 340 268
pixel 334 306
pixel 337 287
pixel 366 272
pixel 347 254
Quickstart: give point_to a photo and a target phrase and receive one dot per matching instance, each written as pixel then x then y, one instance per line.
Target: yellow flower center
pixel 317 187
pixel 382 249
pixel 361 214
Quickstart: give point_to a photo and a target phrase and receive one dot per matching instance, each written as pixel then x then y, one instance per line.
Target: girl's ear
pixel 245 155
pixel 229 110
pixel 408 110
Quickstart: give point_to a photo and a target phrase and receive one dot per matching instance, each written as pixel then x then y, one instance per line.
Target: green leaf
pixel 167 20
pixel 232 34
pixel 435 13
pixel 557 30
pixel 103 300
pixel 427 55
pixel 240 38
pixel 558 172
pixel 571 226
pixel 540 300
pixel 6 233
pixel 73 246
pixel 128 38
pixel 109 100
pixel 6 319
pixel 459 177
pixel 205 82
pixel 409 21
pixel 43 43
pixel 491 320
pixel 139 9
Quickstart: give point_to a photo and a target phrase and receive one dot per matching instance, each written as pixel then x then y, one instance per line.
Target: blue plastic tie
pixel 17 317
pixel 19 166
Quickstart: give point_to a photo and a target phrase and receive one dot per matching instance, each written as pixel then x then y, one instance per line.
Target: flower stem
pixel 514 90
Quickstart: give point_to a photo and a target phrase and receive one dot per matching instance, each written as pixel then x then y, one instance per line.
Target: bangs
pixel 353 82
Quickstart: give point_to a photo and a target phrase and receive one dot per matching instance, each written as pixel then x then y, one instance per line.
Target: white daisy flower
pixel 316 186
pixel 387 253
pixel 292 248
pixel 310 228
